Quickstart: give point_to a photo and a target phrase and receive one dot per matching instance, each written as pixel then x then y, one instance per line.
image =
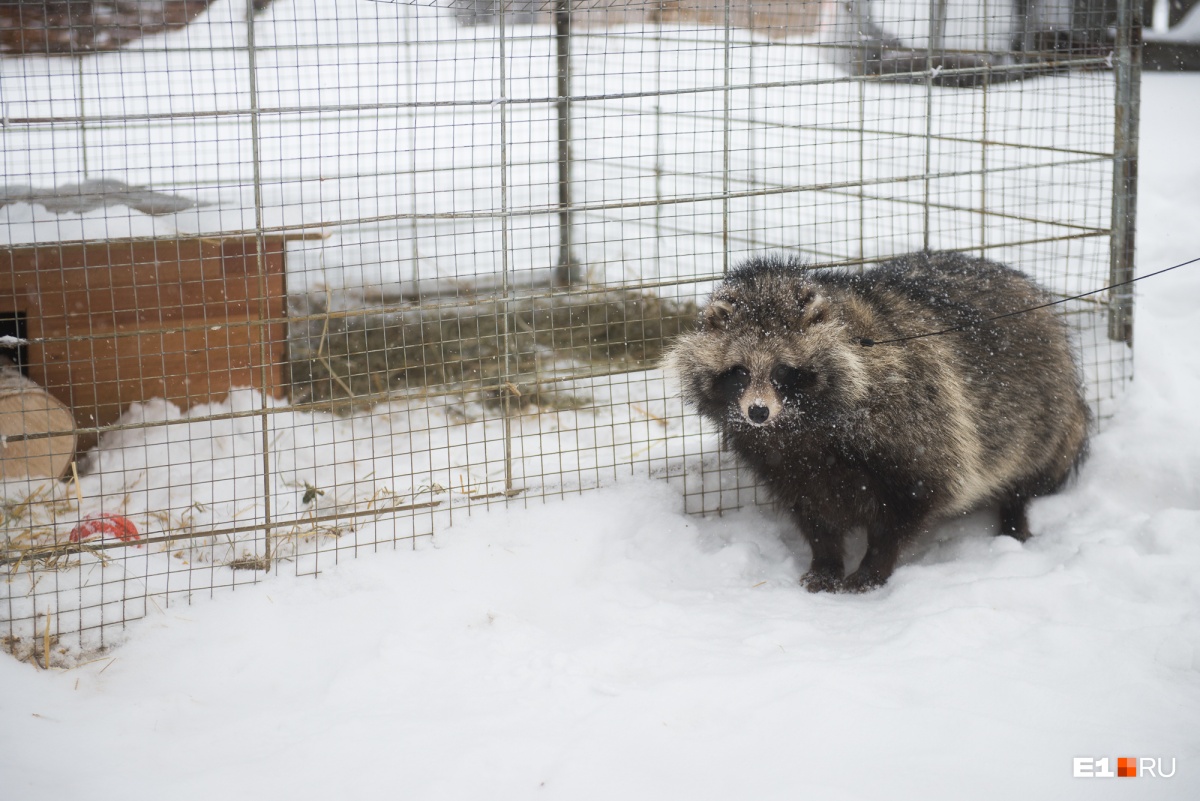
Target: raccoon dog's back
pixel 894 435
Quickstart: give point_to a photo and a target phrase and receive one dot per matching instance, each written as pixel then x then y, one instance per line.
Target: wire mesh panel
pixel 284 282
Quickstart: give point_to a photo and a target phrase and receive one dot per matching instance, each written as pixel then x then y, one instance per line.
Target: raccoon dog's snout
pixel 758 414
pixel 760 405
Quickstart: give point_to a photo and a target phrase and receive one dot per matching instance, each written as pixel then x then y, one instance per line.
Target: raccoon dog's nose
pixel 758 414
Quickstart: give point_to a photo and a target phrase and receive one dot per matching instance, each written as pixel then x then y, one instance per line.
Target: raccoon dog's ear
pixel 814 308
pixel 717 314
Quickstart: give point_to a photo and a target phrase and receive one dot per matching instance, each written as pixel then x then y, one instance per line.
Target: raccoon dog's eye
pixel 730 384
pixel 788 379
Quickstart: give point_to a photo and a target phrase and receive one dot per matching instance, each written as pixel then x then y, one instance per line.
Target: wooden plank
pixel 117 322
pixel 146 281
pixel 100 375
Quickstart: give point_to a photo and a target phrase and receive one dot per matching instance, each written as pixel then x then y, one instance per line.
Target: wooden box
pixel 118 321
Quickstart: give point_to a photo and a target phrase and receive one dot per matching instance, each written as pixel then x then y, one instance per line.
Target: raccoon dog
pixel 888 436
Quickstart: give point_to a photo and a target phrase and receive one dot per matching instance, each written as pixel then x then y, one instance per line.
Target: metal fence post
pixel 726 143
pixel 264 327
pixel 567 271
pixel 1127 74
pixel 506 327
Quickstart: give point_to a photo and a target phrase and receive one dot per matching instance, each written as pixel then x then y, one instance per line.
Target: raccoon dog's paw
pixel 860 581
pixel 817 580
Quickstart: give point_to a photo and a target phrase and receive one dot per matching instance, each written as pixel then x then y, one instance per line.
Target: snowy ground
pixel 609 645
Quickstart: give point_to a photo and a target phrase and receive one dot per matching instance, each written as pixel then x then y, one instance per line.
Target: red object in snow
pixel 106 525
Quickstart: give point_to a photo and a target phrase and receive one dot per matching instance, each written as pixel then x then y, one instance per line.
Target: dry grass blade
pixel 361 355
pixel 46 644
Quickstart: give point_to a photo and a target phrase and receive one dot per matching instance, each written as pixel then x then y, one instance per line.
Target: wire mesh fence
pixel 283 282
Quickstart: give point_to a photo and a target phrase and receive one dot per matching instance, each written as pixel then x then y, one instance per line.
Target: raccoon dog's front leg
pixel 828 561
pixel 884 538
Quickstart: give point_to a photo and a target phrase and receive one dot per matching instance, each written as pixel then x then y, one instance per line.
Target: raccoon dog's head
pixel 771 349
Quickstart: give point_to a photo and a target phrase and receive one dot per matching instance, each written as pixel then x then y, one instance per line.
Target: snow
pixel 30 223
pixel 610 645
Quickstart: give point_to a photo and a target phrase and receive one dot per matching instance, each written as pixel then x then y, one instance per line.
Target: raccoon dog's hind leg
pixel 1013 518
